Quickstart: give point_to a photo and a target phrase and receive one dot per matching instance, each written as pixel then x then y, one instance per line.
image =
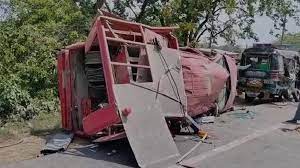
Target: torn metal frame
pixel 107 32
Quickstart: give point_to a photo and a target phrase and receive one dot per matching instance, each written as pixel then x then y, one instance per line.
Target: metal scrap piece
pixel 59 142
pixel 145 126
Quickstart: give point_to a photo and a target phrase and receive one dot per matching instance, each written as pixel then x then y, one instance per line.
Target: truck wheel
pixel 249 99
pixel 296 96
pixel 278 99
pixel 286 95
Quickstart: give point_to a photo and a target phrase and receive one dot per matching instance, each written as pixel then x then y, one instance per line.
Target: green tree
pixel 30 36
pixel 214 19
pixel 292 39
pixel 281 12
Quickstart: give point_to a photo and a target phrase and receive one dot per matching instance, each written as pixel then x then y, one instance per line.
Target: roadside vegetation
pixel 31 34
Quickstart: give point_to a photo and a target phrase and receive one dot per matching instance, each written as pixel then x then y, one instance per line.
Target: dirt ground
pixel 16 149
pixel 24 140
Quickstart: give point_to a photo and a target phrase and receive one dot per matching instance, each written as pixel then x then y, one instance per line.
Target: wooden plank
pixel 124 41
pixel 131 65
pixel 125 32
pixel 91 38
pixel 62 87
pixel 68 89
pixel 128 62
pixel 134 59
pixel 157 29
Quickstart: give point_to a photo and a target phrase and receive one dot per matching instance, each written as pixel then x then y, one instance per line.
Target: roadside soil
pixel 16 149
pixel 24 140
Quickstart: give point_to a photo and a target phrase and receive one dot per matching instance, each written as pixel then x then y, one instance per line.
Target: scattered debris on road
pixel 57 143
pixel 206 119
pixel 244 115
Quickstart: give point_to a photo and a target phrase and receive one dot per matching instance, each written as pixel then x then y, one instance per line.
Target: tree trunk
pixel 283 30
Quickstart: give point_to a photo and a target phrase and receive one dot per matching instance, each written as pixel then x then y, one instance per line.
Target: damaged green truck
pixel 267 72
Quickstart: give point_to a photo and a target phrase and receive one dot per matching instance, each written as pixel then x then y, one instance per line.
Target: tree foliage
pixel 30 36
pixel 281 12
pixel 206 20
pixel 292 40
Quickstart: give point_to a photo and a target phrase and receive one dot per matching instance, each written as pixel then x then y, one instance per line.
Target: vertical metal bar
pixel 61 88
pixel 129 68
pixel 142 32
pixel 105 57
pixel 68 90
pixel 91 38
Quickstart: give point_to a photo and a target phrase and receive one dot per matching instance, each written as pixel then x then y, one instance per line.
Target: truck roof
pixel 268 50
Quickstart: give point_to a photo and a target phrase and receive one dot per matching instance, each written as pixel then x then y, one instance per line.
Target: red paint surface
pixel 203 79
pixel 61 88
pixel 68 91
pixel 126 111
pixel 94 122
pixel 233 80
pixel 100 119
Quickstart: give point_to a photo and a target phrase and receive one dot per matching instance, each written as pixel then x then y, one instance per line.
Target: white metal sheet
pixel 145 126
pixel 160 61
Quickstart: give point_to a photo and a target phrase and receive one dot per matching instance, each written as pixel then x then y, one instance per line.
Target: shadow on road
pixel 118 151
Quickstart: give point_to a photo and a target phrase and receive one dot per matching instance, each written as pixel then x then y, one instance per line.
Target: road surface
pixel 250 136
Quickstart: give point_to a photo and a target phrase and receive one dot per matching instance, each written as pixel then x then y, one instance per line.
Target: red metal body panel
pixel 195 63
pixel 204 79
pixel 105 31
pixel 68 94
pixel 101 36
pixel 61 88
pixel 111 137
pixel 233 81
pixel 100 119
pixel 105 117
pixel 91 38
pixel 98 35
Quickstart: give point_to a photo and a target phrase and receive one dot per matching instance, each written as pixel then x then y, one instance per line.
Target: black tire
pixel 296 96
pixel 286 95
pixel 249 99
pixel 277 99
pixel 174 127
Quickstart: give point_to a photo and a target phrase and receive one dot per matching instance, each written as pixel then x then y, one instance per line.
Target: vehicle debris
pixel 296 118
pixel 210 80
pixel 244 115
pixel 124 80
pixel 206 119
pixel 203 137
pixel 112 152
pixel 59 142
pixel 132 80
pixel 270 73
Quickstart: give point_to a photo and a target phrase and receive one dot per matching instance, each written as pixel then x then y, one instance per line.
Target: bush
pixel 16 104
pixel 30 37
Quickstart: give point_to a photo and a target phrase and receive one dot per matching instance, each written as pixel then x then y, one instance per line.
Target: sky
pixel 262 28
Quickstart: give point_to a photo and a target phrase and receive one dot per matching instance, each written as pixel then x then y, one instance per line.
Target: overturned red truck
pixel 130 79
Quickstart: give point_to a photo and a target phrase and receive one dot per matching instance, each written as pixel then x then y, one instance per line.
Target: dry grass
pixel 30 134
pixel 41 125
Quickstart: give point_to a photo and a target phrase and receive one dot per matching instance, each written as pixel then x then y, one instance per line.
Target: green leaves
pixel 291 39
pixel 29 40
pixel 208 20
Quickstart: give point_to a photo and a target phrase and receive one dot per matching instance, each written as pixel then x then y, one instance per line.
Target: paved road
pixel 276 149
pixel 271 147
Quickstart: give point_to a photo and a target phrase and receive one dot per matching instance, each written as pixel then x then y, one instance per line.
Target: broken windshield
pixel 262 62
